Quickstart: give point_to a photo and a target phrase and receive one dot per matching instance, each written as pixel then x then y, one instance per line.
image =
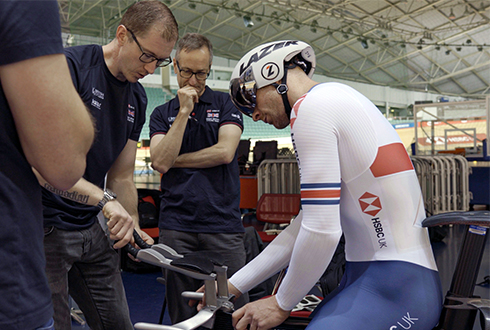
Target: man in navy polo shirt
pixel 194 138
pixel 80 261
pixel 43 124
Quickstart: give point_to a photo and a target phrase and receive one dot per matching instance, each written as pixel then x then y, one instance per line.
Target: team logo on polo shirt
pixel 370 204
pixel 131 113
pixel 212 115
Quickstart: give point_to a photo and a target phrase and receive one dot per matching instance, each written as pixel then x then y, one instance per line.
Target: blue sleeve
pixel 230 114
pixel 73 65
pixel 29 29
pixel 159 124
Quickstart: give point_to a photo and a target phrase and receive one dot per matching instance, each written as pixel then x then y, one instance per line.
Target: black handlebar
pixel 139 242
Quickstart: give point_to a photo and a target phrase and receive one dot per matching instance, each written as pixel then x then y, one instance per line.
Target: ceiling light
pixel 479 47
pixel 438 47
pixel 296 26
pixel 247 21
pixel 364 44
pixel 451 15
pixel 468 41
pixel 314 25
pixel 427 35
pixel 402 45
pixel 192 5
pixel 458 48
pixel 448 52
pixel 70 40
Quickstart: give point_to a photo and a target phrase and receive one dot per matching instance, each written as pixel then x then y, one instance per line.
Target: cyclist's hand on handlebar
pixel 201 303
pixel 119 222
pixel 260 315
pixel 232 290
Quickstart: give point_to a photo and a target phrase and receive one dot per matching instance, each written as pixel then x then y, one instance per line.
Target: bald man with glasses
pixel 194 138
pixel 80 260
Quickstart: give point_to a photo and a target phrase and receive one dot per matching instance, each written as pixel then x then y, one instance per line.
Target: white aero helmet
pixel 263 66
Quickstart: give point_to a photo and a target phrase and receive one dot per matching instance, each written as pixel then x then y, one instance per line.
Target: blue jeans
pixel 83 264
pixel 229 245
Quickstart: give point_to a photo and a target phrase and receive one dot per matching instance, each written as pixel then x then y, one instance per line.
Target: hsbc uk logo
pixel 371 205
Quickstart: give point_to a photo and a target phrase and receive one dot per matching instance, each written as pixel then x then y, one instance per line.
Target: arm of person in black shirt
pixel 165 148
pixel 120 221
pixel 55 129
pixel 123 216
pixel 222 152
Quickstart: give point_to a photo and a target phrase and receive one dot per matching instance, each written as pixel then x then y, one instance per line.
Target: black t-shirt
pixel 205 200
pixel 119 111
pixel 28 30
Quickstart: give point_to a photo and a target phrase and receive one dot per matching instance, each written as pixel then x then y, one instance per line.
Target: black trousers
pixel 229 245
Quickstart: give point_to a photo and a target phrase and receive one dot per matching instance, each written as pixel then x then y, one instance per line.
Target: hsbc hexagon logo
pixel 370 204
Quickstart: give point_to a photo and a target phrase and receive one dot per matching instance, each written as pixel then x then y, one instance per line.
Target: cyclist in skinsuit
pixel 356 179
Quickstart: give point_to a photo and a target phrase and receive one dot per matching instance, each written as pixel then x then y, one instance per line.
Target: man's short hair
pixel 194 41
pixel 144 15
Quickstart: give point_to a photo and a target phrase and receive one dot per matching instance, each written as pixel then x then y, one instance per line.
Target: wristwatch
pixel 108 196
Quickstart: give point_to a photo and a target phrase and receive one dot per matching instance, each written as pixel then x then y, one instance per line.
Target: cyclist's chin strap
pixel 283 90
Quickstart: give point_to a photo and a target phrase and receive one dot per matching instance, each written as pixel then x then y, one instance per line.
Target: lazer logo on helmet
pixel 270 71
pixel 255 57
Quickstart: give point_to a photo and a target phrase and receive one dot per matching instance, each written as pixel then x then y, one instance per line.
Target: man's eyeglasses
pixel 187 74
pixel 148 58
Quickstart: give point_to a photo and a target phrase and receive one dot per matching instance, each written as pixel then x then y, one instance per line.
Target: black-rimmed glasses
pixel 148 58
pixel 187 74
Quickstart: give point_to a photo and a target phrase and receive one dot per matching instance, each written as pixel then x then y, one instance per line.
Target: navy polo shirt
pixel 205 200
pixel 119 110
